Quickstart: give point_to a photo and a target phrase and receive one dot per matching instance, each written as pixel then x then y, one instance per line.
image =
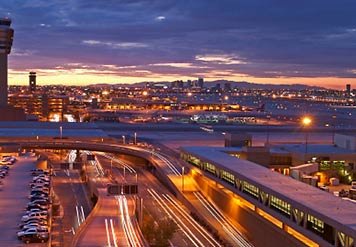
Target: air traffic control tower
pixel 6 36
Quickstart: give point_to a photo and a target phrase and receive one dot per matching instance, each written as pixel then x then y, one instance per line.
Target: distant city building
pixel 180 84
pixel 177 84
pixel 217 87
pixel 94 103
pixel 189 84
pixel 227 87
pixel 32 81
pixel 174 84
pixel 348 89
pixel 44 107
pixel 200 82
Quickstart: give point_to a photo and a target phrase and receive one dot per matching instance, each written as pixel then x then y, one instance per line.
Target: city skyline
pixel 86 42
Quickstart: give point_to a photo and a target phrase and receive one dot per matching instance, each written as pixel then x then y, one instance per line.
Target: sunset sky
pixel 122 41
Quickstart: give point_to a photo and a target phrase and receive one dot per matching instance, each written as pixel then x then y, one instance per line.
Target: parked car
pixel 35 225
pixel 33 221
pixel 36 206
pixel 38 201
pixel 37 210
pixel 33 236
pixel 36 215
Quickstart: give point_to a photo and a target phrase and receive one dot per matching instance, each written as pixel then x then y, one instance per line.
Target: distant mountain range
pixel 238 84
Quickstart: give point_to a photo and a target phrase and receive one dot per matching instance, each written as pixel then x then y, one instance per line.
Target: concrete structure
pixel 32 81
pixel 6 37
pixel 42 106
pixel 346 141
pixel 238 140
pixel 200 82
pixel 314 217
pixel 348 89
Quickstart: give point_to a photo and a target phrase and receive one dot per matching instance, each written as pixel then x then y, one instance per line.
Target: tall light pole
pixel 60 132
pixel 306 121
pixel 334 128
pixel 135 138
pixel 267 139
pixel 183 179
pixel 123 139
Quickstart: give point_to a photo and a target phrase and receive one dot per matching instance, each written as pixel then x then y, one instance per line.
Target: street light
pixel 135 138
pixel 183 179
pixel 60 132
pixel 334 127
pixel 268 122
pixel 123 139
pixel 306 121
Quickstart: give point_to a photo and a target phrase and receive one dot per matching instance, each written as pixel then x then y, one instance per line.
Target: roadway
pixel 160 203
pixel 74 200
pixel 170 168
pixel 110 221
pixel 14 198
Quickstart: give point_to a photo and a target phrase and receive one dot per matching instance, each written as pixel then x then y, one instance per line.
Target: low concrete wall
pixel 90 217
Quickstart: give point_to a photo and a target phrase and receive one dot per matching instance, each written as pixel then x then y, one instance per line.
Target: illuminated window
pixel 210 168
pixel 315 224
pixel 280 205
pixel 250 189
pixel 228 177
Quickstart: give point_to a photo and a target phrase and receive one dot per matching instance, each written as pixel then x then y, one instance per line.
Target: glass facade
pixel 280 205
pixel 250 189
pixel 313 224
pixel 228 177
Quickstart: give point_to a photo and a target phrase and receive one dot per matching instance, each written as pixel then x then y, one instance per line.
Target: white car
pixel 35 225
pixel 34 215
pixel 36 210
pixel 43 232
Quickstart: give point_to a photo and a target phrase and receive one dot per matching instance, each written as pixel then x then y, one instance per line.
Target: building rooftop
pixel 322 204
pixel 312 149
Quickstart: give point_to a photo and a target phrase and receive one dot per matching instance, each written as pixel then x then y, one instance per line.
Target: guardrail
pixel 87 221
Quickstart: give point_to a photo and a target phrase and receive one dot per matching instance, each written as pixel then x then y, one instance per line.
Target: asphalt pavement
pixel 13 200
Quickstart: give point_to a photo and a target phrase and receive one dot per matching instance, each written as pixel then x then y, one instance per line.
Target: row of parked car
pixel 7 160
pixel 5 164
pixel 34 225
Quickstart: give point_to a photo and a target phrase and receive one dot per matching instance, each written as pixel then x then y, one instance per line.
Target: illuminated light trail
pixel 99 169
pixel 190 219
pixel 107 233
pixel 82 215
pixel 182 226
pixel 113 233
pixel 129 168
pixel 228 228
pixel 78 216
pixel 129 230
pixel 165 160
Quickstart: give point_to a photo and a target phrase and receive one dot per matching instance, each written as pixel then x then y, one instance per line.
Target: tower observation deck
pixel 6 38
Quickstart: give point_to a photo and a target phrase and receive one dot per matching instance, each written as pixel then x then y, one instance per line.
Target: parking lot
pixel 14 196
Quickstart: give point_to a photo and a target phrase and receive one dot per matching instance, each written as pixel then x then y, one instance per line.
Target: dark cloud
pixel 274 38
